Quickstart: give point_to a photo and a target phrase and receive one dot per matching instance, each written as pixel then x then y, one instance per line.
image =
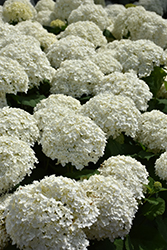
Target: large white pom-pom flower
pixel 161 166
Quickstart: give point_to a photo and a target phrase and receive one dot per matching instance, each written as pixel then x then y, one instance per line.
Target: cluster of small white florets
pixel 127 84
pixel 161 166
pixel 158 6
pixel 69 48
pixel 3 100
pixel 116 204
pixel 45 5
pixel 113 10
pixel 52 212
pixel 152 131
pixel 76 78
pixel 17 159
pixel 114 114
pixel 74 139
pixel 140 56
pixel 87 30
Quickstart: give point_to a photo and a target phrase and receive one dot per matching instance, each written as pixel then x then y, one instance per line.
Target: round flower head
pixel 141 55
pixel 152 5
pixel 17 159
pixel 70 47
pixel 15 11
pixel 50 213
pixel 128 170
pixel 18 123
pixel 137 23
pixel 87 30
pixel 90 12
pixel 114 9
pixel 116 205
pixel 45 17
pixel 76 78
pixel 161 166
pixel 13 77
pixel 114 114
pixel 45 5
pixel 127 84
pixel 75 139
pixel 152 131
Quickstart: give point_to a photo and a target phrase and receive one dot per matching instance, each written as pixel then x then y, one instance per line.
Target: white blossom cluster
pixel 114 114
pixel 43 5
pixel 140 56
pixel 74 139
pixel 51 213
pixel 128 170
pixel 127 84
pixel 17 160
pixel 76 78
pixel 113 10
pixel 3 101
pixel 45 17
pixel 161 166
pixel 69 48
pixel 158 6
pixel 152 131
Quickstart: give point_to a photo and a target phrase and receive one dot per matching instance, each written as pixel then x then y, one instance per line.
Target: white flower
pixel 76 78
pixel 90 12
pixel 137 23
pixel 18 123
pixel 18 10
pixel 114 114
pixel 128 170
pixel 75 139
pixel 50 214
pixel 152 5
pixel 70 47
pixel 13 77
pixel 44 17
pixel 140 56
pixel 87 30
pixel 114 9
pixel 161 166
pixel 127 84
pixel 3 101
pixel 17 160
pixel 45 5
pixel 116 204
pixel 152 131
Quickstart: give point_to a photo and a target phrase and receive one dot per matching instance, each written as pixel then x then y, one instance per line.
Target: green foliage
pixel 109 36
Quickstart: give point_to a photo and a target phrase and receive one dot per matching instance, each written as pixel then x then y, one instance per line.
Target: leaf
pixel 119 244
pixel 109 36
pixel 162 226
pixel 106 244
pixel 153 207
pixel 159 104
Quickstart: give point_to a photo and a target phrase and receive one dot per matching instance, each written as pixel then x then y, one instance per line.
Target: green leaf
pixel 159 104
pixel 109 36
pixel 153 207
pixel 162 226
pixel 119 244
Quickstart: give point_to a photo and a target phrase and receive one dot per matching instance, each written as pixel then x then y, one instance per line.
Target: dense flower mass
pixel 114 114
pixel 75 139
pixel 161 166
pixel 17 160
pixel 116 205
pixel 127 84
pixel 128 170
pixel 45 5
pixel 3 101
pixel 113 10
pixel 50 213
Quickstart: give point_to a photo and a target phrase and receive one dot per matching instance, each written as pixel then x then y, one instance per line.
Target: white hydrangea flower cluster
pixel 161 166
pixel 152 131
pixel 140 56
pixel 18 10
pixel 3 100
pixel 13 77
pixel 116 204
pixel 137 23
pixel 87 30
pixel 76 78
pixel 17 159
pixel 45 5
pixel 45 17
pixel 128 170
pixel 52 212
pixel 106 62
pixel 16 122
pixel 69 48
pixel 91 12
pixel 74 139
pixel 113 10
pixel 127 84
pixel 152 5
pixel 114 114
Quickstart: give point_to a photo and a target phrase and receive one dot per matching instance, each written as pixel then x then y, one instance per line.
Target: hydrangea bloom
pixel 17 159
pixel 13 77
pixel 114 114
pixel 70 47
pixel 75 139
pixel 90 12
pixel 18 123
pixel 50 213
pixel 113 10
pixel 153 5
pixel 87 30
pixel 137 23
pixel 116 204
pixel 140 56
pixel 127 84
pixel 45 17
pixel 45 5
pixel 161 166
pixel 18 10
pixel 76 78
pixel 3 101
pixel 128 170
